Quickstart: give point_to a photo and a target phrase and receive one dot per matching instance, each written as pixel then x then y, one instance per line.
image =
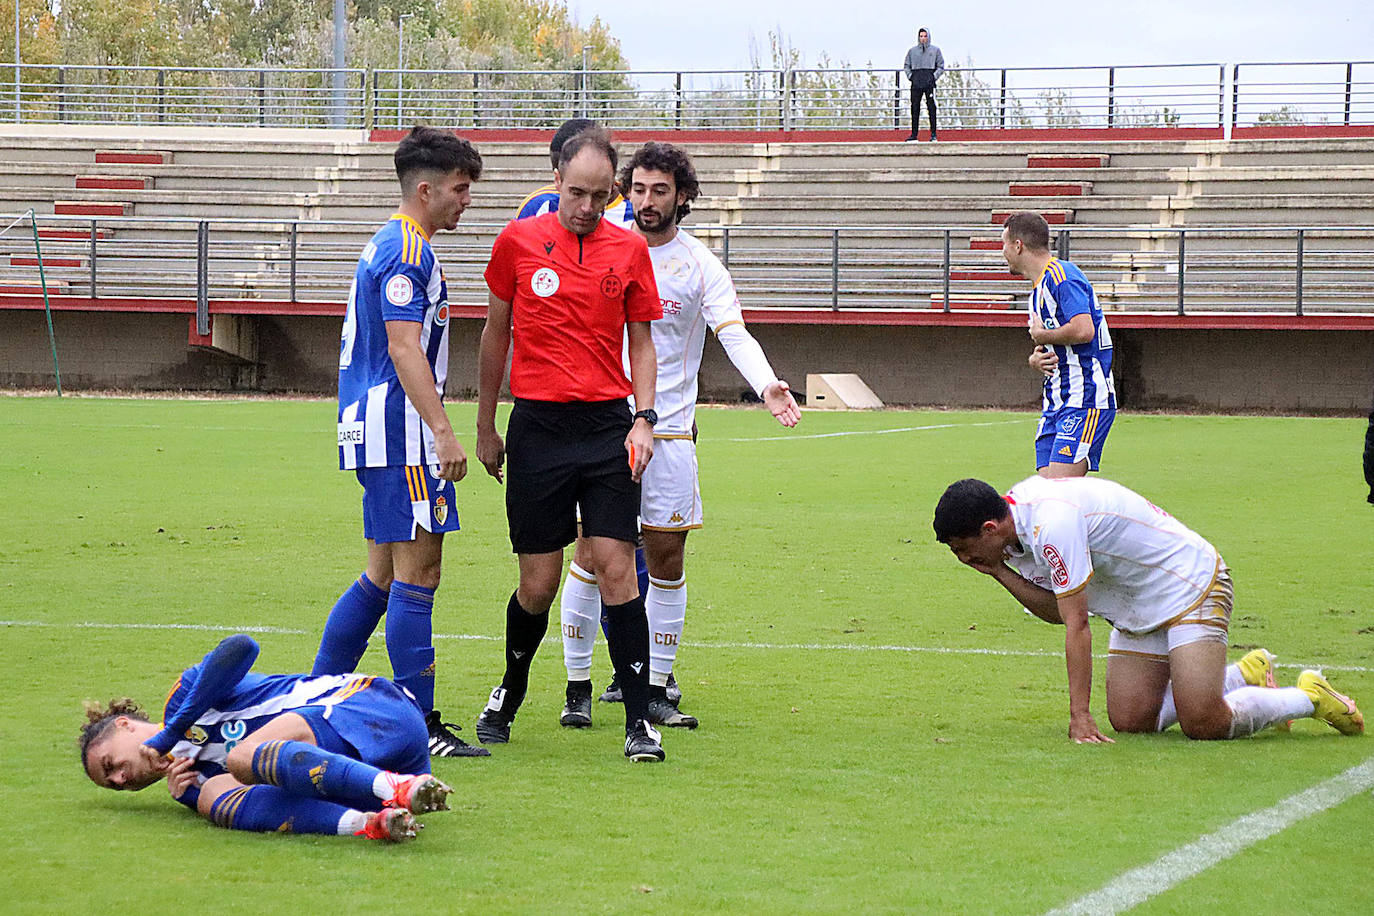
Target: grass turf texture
pixel 830 772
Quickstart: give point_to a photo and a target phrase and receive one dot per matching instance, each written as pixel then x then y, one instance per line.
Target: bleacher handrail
pixel 1201 95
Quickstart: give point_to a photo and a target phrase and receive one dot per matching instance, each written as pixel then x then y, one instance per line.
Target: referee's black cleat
pixel 613 694
pixel 444 743
pixel 665 712
pixel 493 725
pixel 643 743
pixel 577 711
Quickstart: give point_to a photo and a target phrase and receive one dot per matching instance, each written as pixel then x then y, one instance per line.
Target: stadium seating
pixel 778 203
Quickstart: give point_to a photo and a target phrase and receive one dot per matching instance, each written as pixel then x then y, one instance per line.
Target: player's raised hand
pixel 777 396
pixel 180 776
pixel 491 451
pixel 453 461
pixel 156 759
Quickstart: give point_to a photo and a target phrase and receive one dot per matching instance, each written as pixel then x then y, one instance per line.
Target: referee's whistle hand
pixel 491 451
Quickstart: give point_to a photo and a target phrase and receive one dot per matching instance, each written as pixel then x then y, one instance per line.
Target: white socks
pixel 580 613
pixel 1256 708
pixel 1253 709
pixel 666 605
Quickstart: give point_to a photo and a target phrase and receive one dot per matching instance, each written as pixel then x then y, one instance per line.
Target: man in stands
pixel 393 431
pixel 1068 548
pixel 1073 351
pixel 924 65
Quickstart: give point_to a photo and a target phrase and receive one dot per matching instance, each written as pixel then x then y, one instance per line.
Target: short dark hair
pixel 664 157
pixel 965 506
pixel 1030 227
pixel 428 149
pixel 594 137
pixel 570 128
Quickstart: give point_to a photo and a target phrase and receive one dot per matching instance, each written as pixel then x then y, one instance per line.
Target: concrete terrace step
pixel 1066 162
pixel 91 208
pixel 112 183
pixel 1049 189
pixel 132 157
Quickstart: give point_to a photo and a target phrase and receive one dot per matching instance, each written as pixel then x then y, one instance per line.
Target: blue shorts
pixel 1071 435
pixel 379 724
pixel 397 499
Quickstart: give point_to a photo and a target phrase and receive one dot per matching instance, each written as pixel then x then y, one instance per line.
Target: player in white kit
pixel 1069 547
pixel 697 293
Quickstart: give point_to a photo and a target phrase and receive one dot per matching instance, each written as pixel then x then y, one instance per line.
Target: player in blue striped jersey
pixel 393 431
pixel 545 200
pixel 1073 351
pixel 288 753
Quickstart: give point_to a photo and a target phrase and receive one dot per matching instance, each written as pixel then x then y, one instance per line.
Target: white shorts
pixel 1210 620
pixel 670 494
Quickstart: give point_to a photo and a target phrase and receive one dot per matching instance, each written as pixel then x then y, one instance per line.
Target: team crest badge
pixel 611 286
pixel 441 315
pixel 440 510
pixel 399 290
pixel 197 735
pixel 544 283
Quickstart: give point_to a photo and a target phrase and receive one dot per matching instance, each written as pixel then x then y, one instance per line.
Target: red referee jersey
pixel 570 298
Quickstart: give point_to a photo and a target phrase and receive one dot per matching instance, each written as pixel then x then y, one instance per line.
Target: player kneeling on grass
pixel 284 752
pixel 1070 547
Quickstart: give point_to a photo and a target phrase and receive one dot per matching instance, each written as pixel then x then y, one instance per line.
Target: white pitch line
pixel 1140 884
pixel 758 646
pixel 873 432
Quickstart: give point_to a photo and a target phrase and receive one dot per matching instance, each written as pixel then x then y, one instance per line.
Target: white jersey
pixel 1141 568
pixel 696 292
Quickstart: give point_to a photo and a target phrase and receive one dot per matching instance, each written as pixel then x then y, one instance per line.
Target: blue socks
pixel 351 622
pixel 305 770
pixel 268 808
pixel 410 640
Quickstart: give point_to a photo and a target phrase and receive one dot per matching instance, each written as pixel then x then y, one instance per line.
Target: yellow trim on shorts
pixel 661 528
pixel 1090 427
pixel 1216 574
pixel 687 436
pixel 1134 654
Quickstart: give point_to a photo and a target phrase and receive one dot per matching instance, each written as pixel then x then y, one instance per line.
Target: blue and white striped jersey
pixel 245 707
pixel 1084 375
pixel 397 279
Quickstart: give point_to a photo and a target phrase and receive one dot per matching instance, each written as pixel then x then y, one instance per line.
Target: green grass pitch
pixel 882 729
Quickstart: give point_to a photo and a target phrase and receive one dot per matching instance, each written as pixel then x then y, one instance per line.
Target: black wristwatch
pixel 649 415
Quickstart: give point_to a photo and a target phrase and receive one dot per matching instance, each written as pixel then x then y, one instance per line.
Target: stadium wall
pixel 1281 369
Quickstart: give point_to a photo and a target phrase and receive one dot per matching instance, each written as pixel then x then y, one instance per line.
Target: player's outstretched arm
pixel 491 369
pixel 215 678
pixel 412 368
pixel 748 358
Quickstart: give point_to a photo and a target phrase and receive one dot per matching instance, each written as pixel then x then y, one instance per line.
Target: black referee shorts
pixel 559 457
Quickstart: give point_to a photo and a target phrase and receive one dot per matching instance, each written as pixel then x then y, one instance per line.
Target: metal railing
pixel 1205 95
pixel 1281 270
pixel 1324 93
pixel 266 97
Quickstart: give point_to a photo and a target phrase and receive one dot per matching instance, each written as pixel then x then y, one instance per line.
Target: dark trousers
pixel 916 93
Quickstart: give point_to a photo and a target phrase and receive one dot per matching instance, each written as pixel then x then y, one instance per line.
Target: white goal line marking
pixel 875 432
pixel 1140 884
pixel 555 640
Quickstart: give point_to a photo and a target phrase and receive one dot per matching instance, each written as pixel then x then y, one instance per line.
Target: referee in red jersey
pixel 569 289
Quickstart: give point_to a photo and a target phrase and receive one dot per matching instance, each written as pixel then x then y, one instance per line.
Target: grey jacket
pixel 924 65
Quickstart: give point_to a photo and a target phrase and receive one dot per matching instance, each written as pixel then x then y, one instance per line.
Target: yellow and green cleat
pixel 1334 708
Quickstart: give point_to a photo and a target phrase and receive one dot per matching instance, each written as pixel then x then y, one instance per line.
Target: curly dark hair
pixel 664 157
pixel 100 719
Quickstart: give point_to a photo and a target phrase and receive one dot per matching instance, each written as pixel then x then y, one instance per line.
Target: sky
pixel 715 34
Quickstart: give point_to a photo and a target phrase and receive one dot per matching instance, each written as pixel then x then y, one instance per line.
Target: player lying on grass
pixel 290 753
pixel 1070 547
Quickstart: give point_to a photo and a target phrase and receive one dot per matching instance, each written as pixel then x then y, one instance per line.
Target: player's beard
pixel 661 223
